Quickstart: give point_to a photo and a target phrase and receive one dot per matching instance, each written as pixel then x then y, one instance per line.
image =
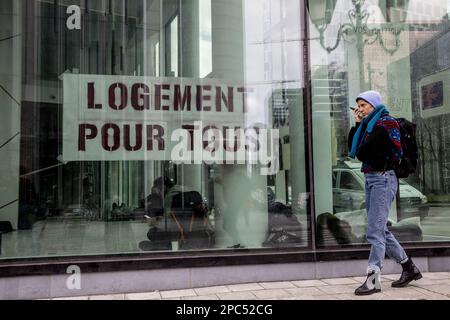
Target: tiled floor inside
pixel 72 237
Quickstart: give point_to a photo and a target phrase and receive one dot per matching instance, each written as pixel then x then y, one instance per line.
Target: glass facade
pixel 140 126
pixel 397 48
pixel 155 125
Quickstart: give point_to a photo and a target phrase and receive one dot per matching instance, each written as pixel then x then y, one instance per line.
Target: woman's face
pixel 365 108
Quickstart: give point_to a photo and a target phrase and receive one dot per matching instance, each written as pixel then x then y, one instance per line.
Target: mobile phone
pixel 353 107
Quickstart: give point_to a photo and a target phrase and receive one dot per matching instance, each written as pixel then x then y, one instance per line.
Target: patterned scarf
pixel 366 127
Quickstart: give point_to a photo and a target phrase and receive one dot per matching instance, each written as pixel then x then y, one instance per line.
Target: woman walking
pixel 375 141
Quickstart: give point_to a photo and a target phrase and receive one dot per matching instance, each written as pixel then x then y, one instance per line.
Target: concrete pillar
pixel 297 152
pixel 190 38
pixel 322 141
pixel 10 101
pixel 190 175
pixel 280 187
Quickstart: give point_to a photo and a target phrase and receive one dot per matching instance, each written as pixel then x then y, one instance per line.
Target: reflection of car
pixel 349 194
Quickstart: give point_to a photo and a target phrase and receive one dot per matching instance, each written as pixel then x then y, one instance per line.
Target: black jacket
pixel 377 149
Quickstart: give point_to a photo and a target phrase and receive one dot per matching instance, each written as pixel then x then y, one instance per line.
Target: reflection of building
pixel 331 93
pixel 430 64
pixel 338 92
pixel 286 111
pixel 108 44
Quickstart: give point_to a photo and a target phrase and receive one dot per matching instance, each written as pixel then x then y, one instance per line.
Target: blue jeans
pixel 381 188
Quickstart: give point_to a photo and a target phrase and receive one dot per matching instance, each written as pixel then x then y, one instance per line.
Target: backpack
pixel 184 202
pixel 187 222
pixel 190 214
pixel 408 161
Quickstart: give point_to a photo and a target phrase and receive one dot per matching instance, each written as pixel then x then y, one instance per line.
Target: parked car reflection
pixel 349 194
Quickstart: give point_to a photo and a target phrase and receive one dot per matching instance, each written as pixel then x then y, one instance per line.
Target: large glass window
pixel 147 125
pixel 401 49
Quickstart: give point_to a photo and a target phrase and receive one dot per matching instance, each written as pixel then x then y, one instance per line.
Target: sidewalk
pixel 433 286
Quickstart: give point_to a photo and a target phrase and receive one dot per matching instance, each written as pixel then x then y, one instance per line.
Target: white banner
pixel 185 120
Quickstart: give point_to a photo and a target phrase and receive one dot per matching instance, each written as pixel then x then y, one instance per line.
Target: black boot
pixel 410 273
pixel 371 285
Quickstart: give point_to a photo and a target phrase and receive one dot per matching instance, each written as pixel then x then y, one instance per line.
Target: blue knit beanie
pixel 372 97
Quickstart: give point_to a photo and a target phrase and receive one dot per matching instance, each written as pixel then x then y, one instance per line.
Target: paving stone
pixel 143 296
pixel 433 286
pixel 308 283
pixel 271 293
pixel 309 297
pixel 338 289
pixel 245 287
pixel 404 293
pixel 70 298
pixel 387 297
pixel 362 279
pixel 432 295
pixel 422 290
pixel 211 290
pixel 428 281
pixel 305 291
pixel 209 297
pixel 177 293
pixel 347 296
pixel 359 279
pixel 390 276
pixel 291 298
pixel 436 275
pixel 277 285
pixel 438 288
pixel 240 295
pixel 335 281
pixel 120 296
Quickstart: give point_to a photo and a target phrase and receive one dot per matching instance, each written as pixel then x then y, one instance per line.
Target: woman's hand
pixel 358 115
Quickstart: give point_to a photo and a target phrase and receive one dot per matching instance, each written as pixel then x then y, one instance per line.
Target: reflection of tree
pixel 430 140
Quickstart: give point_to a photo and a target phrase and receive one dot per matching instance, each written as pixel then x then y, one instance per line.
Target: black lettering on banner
pixel 83 135
pixel 115 135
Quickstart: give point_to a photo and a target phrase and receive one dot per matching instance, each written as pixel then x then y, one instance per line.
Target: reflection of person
pixel 27 200
pixel 375 141
pixel 242 199
pixel 159 203
pixel 177 216
pixel 154 202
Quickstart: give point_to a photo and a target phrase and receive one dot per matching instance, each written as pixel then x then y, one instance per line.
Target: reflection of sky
pixel 418 10
pixel 205 38
pixel 174 46
pixel 433 10
pixel 273 50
